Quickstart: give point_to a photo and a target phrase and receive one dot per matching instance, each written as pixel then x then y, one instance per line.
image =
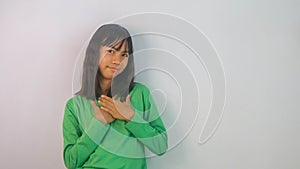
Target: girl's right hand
pixel 102 116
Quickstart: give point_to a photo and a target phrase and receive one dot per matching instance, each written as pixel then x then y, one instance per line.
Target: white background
pixel 258 44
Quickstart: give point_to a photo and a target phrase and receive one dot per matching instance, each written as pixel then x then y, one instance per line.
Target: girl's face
pixel 113 60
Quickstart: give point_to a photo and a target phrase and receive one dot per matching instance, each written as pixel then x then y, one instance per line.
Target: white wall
pixel 258 46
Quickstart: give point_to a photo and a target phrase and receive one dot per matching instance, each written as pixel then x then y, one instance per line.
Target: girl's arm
pixel 78 144
pixel 148 127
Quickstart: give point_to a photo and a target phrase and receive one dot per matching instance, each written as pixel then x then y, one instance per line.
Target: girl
pixel 111 119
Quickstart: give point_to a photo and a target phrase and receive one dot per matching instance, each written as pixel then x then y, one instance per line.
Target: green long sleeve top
pixel 89 143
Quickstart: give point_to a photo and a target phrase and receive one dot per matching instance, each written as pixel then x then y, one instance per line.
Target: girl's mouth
pixel 113 68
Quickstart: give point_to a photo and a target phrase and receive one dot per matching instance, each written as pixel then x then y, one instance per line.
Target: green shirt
pixel 89 143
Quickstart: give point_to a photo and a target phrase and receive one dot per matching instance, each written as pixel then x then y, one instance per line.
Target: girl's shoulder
pixel 139 87
pixel 76 100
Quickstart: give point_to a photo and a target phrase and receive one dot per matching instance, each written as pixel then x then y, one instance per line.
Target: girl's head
pixel 109 56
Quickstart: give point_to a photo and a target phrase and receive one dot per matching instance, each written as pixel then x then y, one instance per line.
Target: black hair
pixel 122 84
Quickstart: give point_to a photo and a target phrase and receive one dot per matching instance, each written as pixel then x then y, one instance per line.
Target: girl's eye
pixel 125 55
pixel 110 51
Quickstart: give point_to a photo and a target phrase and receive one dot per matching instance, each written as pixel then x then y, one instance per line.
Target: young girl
pixel 111 119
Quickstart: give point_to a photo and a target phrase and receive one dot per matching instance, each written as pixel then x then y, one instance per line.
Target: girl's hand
pixel 117 109
pixel 102 116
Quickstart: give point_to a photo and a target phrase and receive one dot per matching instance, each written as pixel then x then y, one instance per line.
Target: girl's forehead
pixel 120 44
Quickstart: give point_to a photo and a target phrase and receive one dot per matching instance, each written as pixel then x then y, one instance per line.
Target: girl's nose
pixel 117 59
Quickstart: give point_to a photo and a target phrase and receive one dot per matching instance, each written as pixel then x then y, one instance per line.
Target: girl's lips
pixel 113 68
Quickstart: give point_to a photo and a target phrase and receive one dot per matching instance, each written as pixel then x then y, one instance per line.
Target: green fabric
pixel 119 145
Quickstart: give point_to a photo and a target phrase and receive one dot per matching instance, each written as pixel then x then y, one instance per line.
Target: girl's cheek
pixel 124 63
pixel 103 59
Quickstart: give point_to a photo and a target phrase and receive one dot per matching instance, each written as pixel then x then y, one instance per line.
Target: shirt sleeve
pixel 148 127
pixel 78 144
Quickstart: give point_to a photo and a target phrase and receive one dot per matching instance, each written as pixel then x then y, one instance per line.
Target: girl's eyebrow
pixel 118 49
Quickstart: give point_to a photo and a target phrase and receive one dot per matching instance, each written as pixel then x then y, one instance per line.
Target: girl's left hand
pixel 117 109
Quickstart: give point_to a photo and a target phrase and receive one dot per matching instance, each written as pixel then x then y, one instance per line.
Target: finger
pixel 119 106
pixel 106 98
pixel 115 98
pixel 106 110
pixel 103 97
pixel 108 118
pixel 106 103
pixel 109 111
pixel 107 115
pixel 128 99
pixel 116 102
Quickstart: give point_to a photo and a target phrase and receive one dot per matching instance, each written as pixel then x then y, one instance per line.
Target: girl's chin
pixel 115 74
pixel 110 74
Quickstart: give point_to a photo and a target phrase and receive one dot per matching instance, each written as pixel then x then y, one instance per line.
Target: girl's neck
pixel 105 85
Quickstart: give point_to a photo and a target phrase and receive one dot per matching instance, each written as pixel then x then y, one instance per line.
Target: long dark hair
pixel 122 84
